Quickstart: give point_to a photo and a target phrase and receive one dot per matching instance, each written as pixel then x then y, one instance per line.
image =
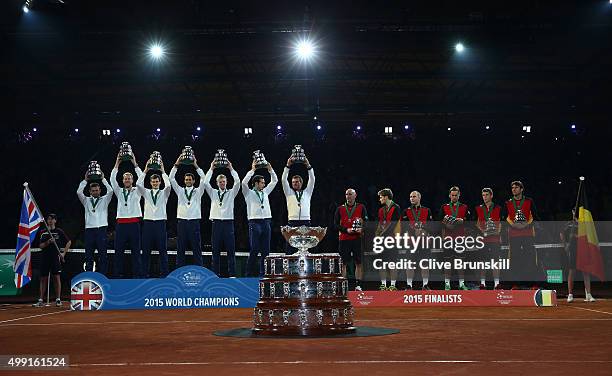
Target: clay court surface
pixel 565 340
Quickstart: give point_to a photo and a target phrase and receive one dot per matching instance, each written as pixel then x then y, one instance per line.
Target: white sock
pixel 408 281
pixel 425 281
pixel 496 281
pixel 461 282
pixel 393 282
pixel 383 282
pixel 483 281
pixel 447 281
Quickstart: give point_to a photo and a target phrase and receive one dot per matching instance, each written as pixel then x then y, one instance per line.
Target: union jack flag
pixel 86 296
pixel 29 223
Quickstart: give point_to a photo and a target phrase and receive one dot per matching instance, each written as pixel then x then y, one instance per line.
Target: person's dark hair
pixel 257 178
pixel 298 177
pixel 518 183
pixel 454 188
pixel 386 192
pixel 190 174
pixel 94 185
pixel 155 176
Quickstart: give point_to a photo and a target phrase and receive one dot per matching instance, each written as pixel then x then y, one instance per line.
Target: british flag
pixel 86 296
pixel 29 223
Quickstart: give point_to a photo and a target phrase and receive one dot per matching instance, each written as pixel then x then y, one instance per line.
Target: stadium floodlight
pixel 459 47
pixel 305 49
pixel 156 51
pixel 527 128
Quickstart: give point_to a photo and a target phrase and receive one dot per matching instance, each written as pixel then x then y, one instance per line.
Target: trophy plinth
pixel 125 151
pixel 221 160
pixel 298 155
pixel 187 157
pixel 155 161
pixel 260 159
pixel 94 172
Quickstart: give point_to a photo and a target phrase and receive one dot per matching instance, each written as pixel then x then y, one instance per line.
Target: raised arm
pixel 79 192
pixel 206 181
pixel 273 180
pixel 236 187
pixel 202 175
pixel 245 182
pixel 140 182
pixel 311 180
pixel 284 181
pixel 116 188
pixel 175 186
pixel 167 185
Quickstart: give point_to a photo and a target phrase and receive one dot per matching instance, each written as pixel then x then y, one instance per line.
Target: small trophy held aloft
pixel 221 160
pixel 125 151
pixel 298 155
pixel 260 159
pixel 187 156
pixel 519 216
pixel 490 228
pixel 357 224
pixel 449 220
pixel 155 161
pixel 94 172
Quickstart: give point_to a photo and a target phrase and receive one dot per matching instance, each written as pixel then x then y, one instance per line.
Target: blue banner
pixel 187 287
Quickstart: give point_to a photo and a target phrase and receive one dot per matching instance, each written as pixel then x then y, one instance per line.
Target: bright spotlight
pixel 76 130
pixel 305 50
pixel 318 127
pixel 459 47
pixel 573 126
pixel 199 129
pixel 25 9
pixel 35 129
pixel 156 51
pixel 158 130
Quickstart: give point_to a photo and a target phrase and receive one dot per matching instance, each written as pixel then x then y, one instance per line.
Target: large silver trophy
pixel 221 160
pixel 303 238
pixel 260 159
pixel 187 157
pixel 125 151
pixel 155 161
pixel 298 155
pixel 94 172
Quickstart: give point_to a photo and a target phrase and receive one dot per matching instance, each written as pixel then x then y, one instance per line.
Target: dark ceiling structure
pixel 231 62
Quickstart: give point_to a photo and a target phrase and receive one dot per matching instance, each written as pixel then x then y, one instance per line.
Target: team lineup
pixel 145 230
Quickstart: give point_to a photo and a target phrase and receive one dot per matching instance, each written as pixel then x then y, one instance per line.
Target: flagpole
pixel 578 195
pixel 41 213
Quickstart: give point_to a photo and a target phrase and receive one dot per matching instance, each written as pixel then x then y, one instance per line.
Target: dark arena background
pixel 402 95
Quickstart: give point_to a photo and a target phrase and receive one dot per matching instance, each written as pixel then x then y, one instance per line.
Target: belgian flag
pixel 588 254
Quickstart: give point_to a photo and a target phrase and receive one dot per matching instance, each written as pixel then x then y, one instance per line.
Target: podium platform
pixel 454 298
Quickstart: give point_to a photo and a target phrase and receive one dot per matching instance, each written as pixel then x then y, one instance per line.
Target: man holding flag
pixel 51 240
pixel 582 247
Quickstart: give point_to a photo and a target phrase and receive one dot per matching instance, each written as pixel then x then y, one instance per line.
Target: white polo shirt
pixel 221 202
pixel 298 203
pixel 128 205
pixel 189 199
pixel 155 200
pixel 96 210
pixel 258 204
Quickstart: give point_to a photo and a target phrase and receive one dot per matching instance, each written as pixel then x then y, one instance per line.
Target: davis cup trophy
pixel 519 216
pixel 187 157
pixel 490 228
pixel 260 159
pixel 155 161
pixel 220 160
pixel 298 155
pixel 125 151
pixel 303 294
pixel 357 224
pixel 94 172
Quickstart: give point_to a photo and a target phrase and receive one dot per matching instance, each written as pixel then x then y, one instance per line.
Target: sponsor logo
pixel 191 279
pixel 504 297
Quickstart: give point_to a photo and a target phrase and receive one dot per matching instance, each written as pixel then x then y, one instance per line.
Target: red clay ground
pixel 571 339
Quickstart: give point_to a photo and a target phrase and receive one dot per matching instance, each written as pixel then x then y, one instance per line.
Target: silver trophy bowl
pixel 94 172
pixel 260 159
pixel 221 160
pixel 298 155
pixel 303 237
pixel 125 151
pixel 187 156
pixel 155 161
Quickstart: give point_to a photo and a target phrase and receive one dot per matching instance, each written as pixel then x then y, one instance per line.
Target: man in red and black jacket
pixel 453 215
pixel 418 219
pixel 521 235
pixel 350 233
pixel 389 216
pixel 488 220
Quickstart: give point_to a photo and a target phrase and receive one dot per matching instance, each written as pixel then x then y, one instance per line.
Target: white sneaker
pixel 358 288
pixel 58 303
pixel 39 303
pixel 570 298
pixel 589 298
